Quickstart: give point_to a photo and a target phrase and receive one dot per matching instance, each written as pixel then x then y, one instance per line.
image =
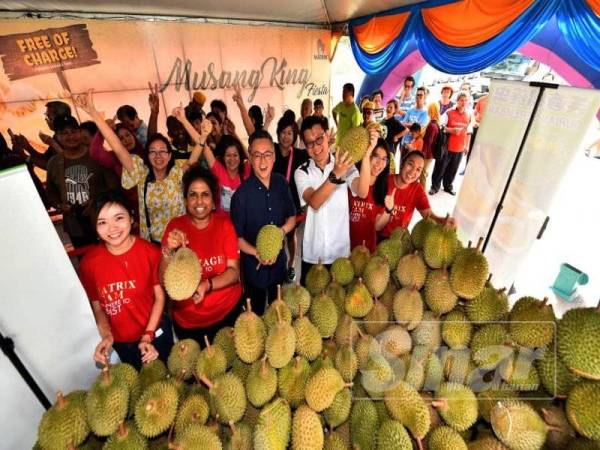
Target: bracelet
pixel 202 144
pixel 389 211
pixel 149 333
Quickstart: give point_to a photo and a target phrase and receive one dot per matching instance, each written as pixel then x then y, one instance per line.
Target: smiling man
pixel 264 198
pixel 323 183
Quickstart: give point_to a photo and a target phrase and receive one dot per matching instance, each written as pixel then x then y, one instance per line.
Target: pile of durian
pixel 411 347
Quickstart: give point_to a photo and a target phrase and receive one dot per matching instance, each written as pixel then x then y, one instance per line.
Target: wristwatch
pixel 335 180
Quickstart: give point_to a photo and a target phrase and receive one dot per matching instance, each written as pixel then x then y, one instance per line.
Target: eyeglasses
pixel 383 159
pixel 155 153
pixel 258 156
pixel 367 112
pixel 317 141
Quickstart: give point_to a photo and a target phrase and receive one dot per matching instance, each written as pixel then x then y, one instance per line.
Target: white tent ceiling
pixel 302 11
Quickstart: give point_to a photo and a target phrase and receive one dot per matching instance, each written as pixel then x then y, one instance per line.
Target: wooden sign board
pixel 46 51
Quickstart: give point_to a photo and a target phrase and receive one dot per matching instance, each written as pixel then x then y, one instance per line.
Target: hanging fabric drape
pixel 579 23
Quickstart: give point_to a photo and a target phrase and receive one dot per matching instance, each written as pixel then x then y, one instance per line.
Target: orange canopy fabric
pixel 379 32
pixel 594 6
pixel 470 22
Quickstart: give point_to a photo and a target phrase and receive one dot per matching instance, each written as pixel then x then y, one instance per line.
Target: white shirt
pixel 326 230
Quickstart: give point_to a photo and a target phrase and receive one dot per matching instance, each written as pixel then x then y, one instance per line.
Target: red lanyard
pixel 289 169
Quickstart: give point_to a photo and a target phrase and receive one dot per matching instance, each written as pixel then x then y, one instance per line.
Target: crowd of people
pixel 130 197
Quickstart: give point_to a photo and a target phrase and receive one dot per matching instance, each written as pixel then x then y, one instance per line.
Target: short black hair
pixel 317 102
pixel 311 121
pixel 378 91
pixel 348 87
pixel 115 196
pixel 412 153
pixel 218 104
pixel 409 78
pixel 415 127
pixel 285 122
pixel 216 116
pixel 63 122
pixel 89 126
pixel 289 114
pixel 197 172
pixel 260 134
pixel 126 111
pixel 150 178
pixel 194 115
pixel 60 108
pixel 256 113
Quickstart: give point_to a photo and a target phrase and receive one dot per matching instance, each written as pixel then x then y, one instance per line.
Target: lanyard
pixel 289 168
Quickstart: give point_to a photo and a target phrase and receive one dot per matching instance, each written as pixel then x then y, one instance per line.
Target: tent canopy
pixel 317 12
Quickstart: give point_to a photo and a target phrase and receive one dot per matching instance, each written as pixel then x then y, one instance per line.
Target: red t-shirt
pixel 214 245
pixel 406 200
pixel 362 220
pixel 457 142
pixel 124 286
pixel 227 185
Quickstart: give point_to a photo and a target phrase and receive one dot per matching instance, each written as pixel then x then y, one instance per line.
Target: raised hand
pixel 85 101
pixel 237 96
pixel 206 127
pixel 388 201
pixel 343 162
pixel 176 239
pixel 373 138
pixel 153 99
pixel 179 113
pixel 270 115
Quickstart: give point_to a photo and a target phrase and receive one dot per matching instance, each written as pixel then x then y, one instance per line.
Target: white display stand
pixel 44 310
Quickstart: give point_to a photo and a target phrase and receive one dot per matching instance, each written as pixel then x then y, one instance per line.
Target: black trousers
pixel 130 353
pixel 198 334
pixel 305 268
pixel 445 170
pixel 260 297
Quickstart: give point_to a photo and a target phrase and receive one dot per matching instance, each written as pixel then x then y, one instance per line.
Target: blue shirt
pixel 254 205
pixel 415 115
pixel 141 134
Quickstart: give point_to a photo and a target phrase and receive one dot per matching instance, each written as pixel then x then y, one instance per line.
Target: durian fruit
pixel 440 247
pixel 323 314
pixel 335 441
pixel 377 376
pixel 582 409
pixel 403 235
pixel 224 339
pixel 376 275
pixel 446 438
pixel 269 242
pixel 359 257
pixel 65 423
pixel 355 142
pixel 489 306
pixel 338 294
pixel 197 437
pixel 127 375
pixel 249 334
pixel 578 335
pixel 270 315
pixel 193 410
pixel 438 295
pixel 240 369
pixel 261 384
pixel 560 432
pixel 469 272
pixel 342 271
pixel 423 369
pixel 280 344
pixel 347 330
pixel 183 357
pixel 273 426
pixel 486 443
pixel 457 405
pixel 297 298
pixel 490 345
pixel 152 372
pixel 339 411
pixel 532 322
pixel 322 387
pixel 346 363
pixel 156 409
pixel 363 348
pixel 387 298
pixel 411 270
pixel 292 379
pixel 317 279
pixel 556 378
pixel 488 398
pixel 183 274
pixel 358 301
pixel 241 437
pixel 456 329
pixel 364 421
pixel 519 371
pixel 229 397
pixel 307 432
pixel 391 250
pixel 406 406
pixel 395 341
pixel 428 332
pixel 127 437
pixel 377 320
pixel 421 230
pixel 518 426
pixel 457 365
pixel 212 361
pixel 308 338
pixel 408 307
pixel 106 404
pixel 393 436
pixel 91 443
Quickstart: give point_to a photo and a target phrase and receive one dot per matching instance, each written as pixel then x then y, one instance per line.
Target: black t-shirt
pixel 281 166
pixel 394 127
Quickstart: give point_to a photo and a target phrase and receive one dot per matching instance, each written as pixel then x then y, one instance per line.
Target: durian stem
pixel 419 444
pixel 297 362
pixel 360 333
pixel 263 366
pixel 560 397
pixel 206 381
pixel 60 400
pixel 300 311
pixel 105 375
pixel 598 305
pixel 440 404
pixel 248 305
pixel 544 302
pixel 470 243
pixel 279 319
pixel 232 426
pixel 489 278
pixel 123 431
pixel 170 438
pixel 479 242
pixel 70 446
pixel 501 291
pixel 348 385
pixel 209 349
pixel 279 292
pixel 181 375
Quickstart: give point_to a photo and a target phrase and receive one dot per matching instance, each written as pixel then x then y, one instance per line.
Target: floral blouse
pixel 164 198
